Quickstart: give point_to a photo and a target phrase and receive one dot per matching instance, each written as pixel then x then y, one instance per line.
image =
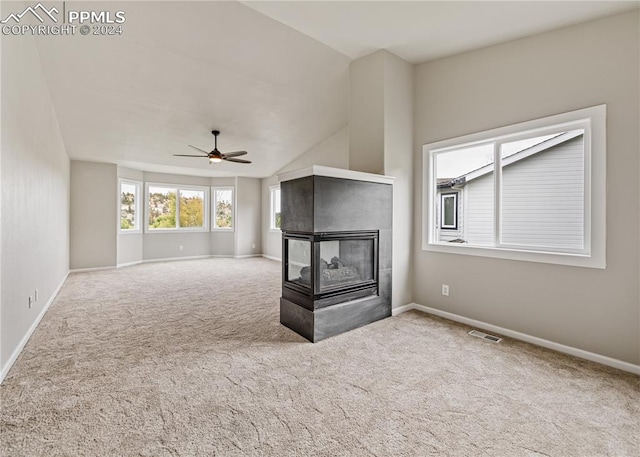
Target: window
pixel 532 191
pixel 275 214
pixel 222 208
pixel 130 214
pixel 176 208
pixel 449 211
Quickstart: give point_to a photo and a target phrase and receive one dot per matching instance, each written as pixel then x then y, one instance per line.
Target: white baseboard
pixel 85 270
pixel 247 256
pixel 270 257
pixel 580 353
pixel 223 256
pixel 25 338
pixel 402 309
pixel 129 264
pixel 174 259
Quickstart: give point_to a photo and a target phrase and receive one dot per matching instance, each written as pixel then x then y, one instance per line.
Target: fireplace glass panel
pixel 299 262
pixel 345 262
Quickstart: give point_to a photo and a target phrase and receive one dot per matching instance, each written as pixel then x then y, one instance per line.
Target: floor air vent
pixel 484 336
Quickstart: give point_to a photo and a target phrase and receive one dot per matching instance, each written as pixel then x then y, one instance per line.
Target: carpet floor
pixel 189 359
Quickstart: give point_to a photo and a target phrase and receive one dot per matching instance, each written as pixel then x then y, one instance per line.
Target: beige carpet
pixel 188 358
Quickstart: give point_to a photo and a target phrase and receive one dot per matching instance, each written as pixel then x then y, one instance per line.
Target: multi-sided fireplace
pixel 336 243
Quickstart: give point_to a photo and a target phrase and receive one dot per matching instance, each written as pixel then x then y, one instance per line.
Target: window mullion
pixel 177 208
pixel 497 193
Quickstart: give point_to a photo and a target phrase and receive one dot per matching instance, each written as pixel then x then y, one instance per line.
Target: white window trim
pixel 178 188
pixel 213 209
pixel 272 218
pixel 139 214
pixel 594 255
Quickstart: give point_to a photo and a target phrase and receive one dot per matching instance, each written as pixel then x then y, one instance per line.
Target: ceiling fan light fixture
pixel 215 160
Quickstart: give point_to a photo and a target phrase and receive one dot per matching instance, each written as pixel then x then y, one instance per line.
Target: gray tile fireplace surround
pixel 320 202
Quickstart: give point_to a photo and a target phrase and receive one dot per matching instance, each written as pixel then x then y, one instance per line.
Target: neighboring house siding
pixel 478 197
pixel 543 198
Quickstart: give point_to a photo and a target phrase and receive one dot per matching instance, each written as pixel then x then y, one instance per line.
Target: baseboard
pixel 270 257
pixel 129 264
pixel 25 339
pixel 402 309
pixel 223 256
pixel 580 353
pixel 247 256
pixel 85 270
pixel 174 259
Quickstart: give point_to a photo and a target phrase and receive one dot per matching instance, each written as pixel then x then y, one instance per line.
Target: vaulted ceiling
pixel 272 76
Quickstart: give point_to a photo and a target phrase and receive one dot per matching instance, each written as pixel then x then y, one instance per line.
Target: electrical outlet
pixel 445 290
pixel 181 247
pixel 253 245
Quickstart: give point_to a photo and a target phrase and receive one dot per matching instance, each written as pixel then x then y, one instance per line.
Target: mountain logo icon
pixel 34 10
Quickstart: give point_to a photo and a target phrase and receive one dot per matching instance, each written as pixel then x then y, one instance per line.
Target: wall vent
pixel 485 336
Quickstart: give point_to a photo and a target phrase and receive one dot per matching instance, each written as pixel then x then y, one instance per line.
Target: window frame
pixel 178 187
pixel 443 196
pixel 213 226
pixel 139 214
pixel 593 121
pixel 272 214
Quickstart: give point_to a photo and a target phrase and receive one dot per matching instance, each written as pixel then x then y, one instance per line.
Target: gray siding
pixel 479 196
pixel 543 198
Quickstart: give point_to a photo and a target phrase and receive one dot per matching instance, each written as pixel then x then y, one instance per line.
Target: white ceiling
pixel 275 88
pixel 419 31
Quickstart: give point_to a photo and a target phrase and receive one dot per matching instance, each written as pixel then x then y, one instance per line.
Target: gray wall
pixel 35 197
pixel 367 113
pixel 559 71
pixel 94 215
pixel 398 162
pixel 381 141
pixel 248 212
pixel 332 152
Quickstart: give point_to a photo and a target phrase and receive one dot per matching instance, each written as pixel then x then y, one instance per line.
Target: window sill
pixel 597 261
pixel 129 232
pixel 149 232
pixel 223 230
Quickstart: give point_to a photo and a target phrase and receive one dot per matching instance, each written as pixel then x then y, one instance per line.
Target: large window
pixel 176 208
pixel 222 208
pixel 275 214
pixel 130 214
pixel 531 191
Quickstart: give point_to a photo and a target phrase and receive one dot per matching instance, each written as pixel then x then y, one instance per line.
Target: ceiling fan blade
pixel 234 153
pixel 231 159
pixel 201 150
pixel 190 155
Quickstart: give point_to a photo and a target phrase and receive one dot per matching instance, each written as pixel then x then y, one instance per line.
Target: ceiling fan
pixel 216 156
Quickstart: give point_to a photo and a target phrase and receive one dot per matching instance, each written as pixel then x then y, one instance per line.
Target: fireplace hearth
pixel 336 246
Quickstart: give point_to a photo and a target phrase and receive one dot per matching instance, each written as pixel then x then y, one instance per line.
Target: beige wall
pixel 559 71
pixel 248 212
pixel 94 215
pixel 34 197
